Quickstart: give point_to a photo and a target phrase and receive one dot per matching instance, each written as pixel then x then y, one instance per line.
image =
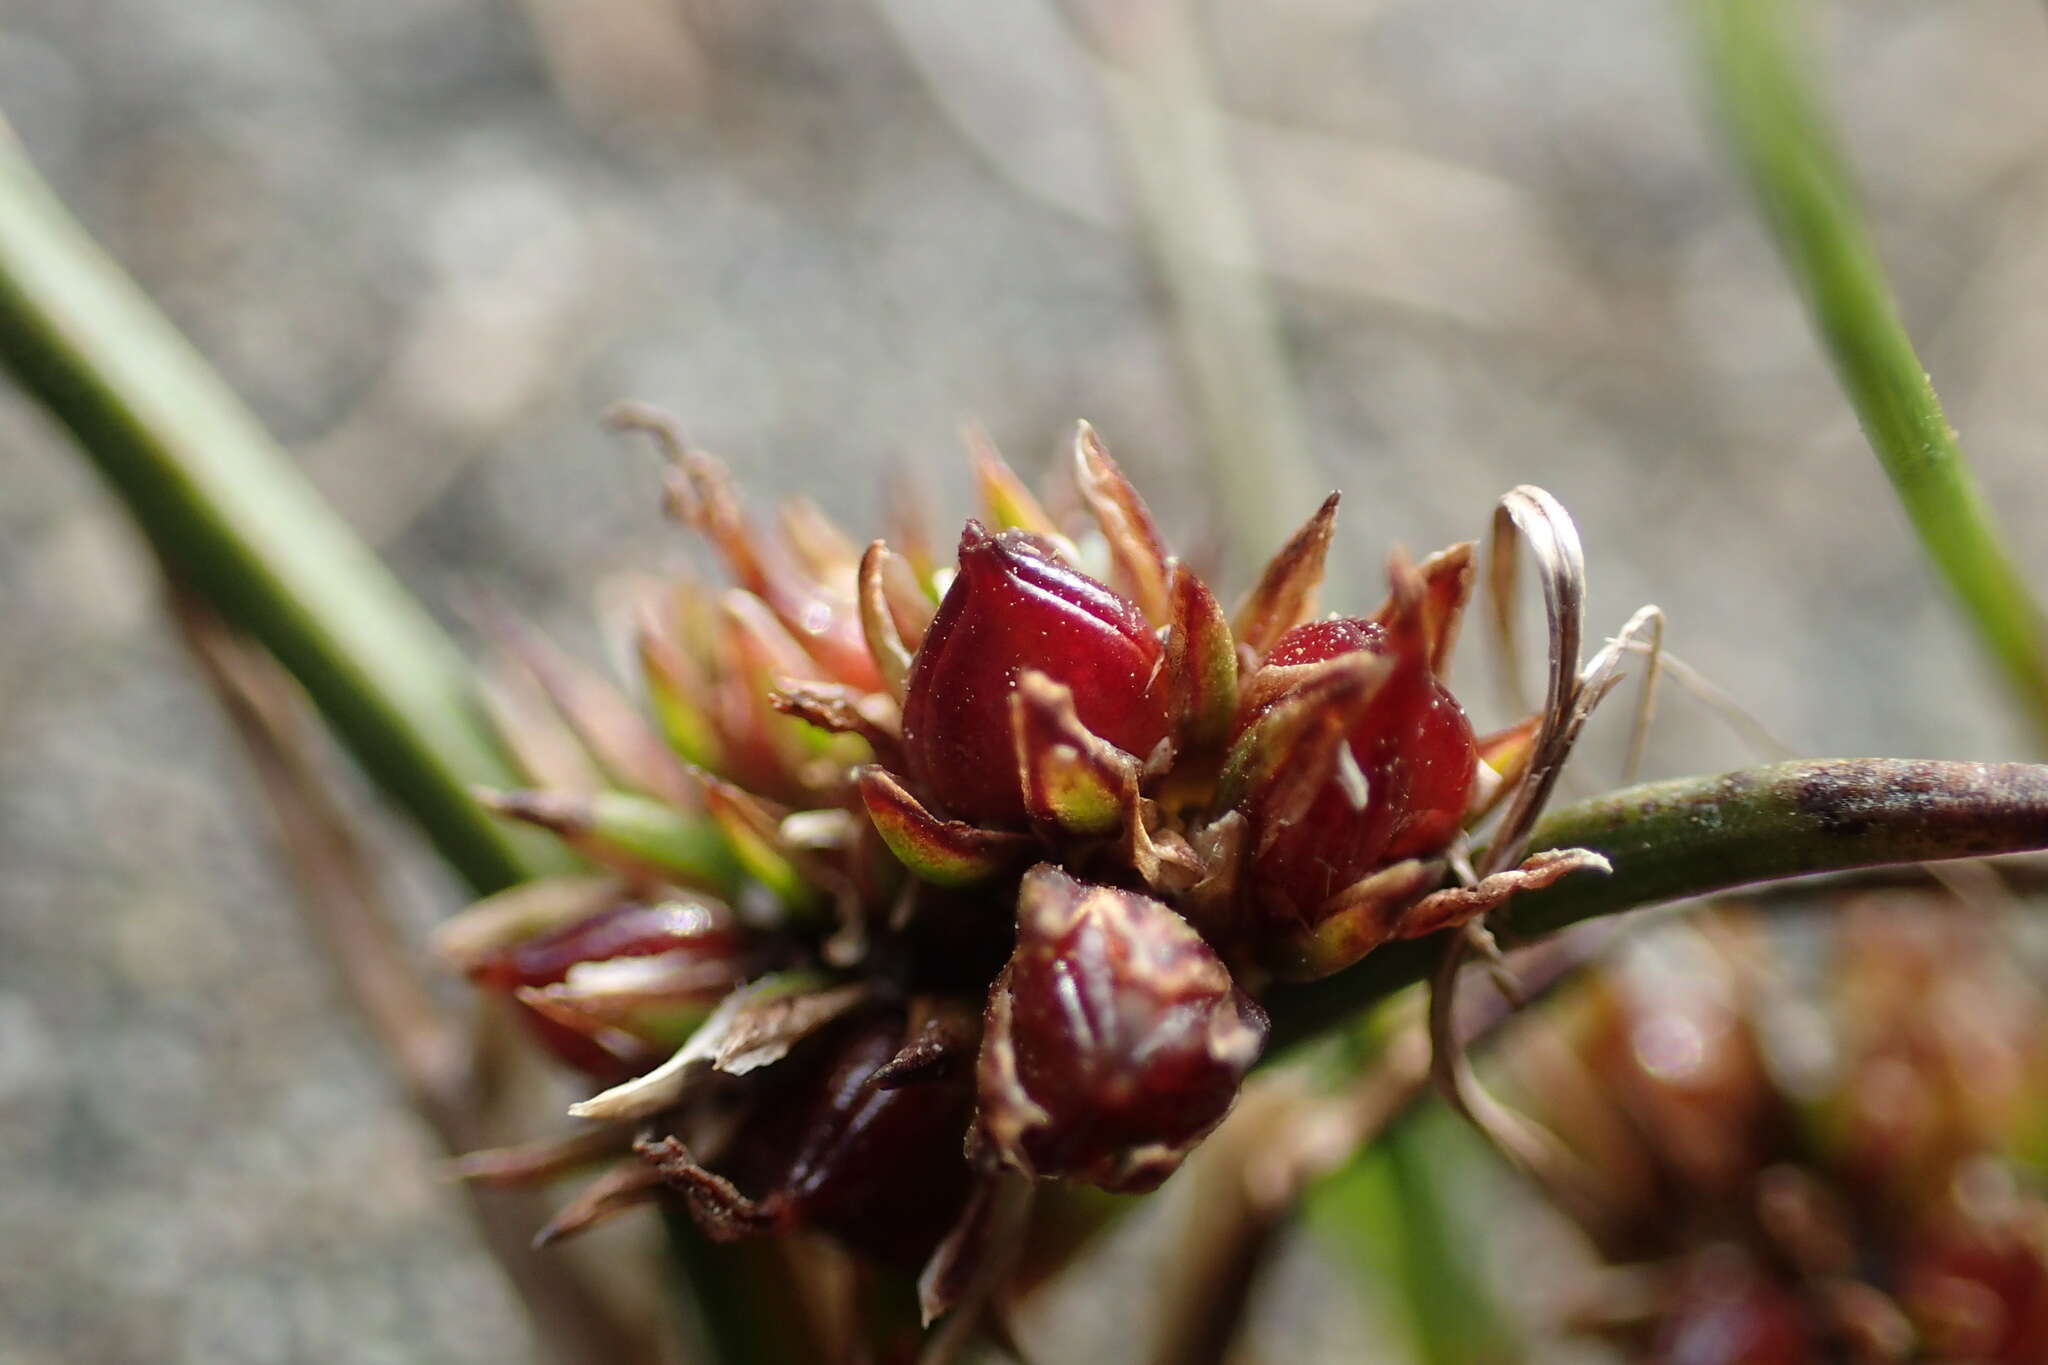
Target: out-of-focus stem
pixel 430 1053
pixel 1699 835
pixel 228 511
pixel 1288 1137
pixel 1171 132
pixel 1783 143
pixel 236 525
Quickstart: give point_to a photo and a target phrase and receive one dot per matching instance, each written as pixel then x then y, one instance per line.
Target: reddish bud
pixel 1014 606
pixel 707 946
pixel 1114 1039
pixel 1403 793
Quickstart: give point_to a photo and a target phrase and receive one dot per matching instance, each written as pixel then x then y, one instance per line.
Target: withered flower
pixel 823 1140
pixel 867 782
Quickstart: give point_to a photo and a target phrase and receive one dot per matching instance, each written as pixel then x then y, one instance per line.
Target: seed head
pixel 982 870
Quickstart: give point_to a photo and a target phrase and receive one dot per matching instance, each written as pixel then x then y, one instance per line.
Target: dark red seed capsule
pixel 1114 1040
pixel 1015 606
pixel 635 929
pixel 823 1146
pixel 1412 746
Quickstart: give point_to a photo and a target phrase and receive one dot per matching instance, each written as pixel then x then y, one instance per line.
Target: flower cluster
pixel 925 873
pixel 1777 1183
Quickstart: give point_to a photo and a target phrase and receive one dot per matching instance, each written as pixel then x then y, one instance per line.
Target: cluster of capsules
pixel 918 876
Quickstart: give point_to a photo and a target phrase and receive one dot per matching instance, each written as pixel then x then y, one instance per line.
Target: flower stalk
pixel 1697 836
pixel 1781 140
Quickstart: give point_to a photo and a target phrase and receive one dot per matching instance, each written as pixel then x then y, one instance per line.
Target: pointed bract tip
pixel 943 852
pixel 559 812
pixel 664 426
pixel 1285 594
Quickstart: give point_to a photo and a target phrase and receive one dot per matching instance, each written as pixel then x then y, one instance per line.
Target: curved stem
pixel 1782 142
pixel 233 520
pixel 231 515
pixel 1700 835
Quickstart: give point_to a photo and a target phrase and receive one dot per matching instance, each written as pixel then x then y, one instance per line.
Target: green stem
pixel 231 516
pixel 234 519
pixel 1781 138
pixel 1391 1211
pixel 1701 835
pixel 740 1312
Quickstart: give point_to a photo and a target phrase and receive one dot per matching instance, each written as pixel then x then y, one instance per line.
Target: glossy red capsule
pixel 1113 1041
pixel 1016 606
pixel 1412 745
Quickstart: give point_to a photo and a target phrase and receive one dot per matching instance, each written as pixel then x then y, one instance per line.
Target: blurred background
pixel 1417 251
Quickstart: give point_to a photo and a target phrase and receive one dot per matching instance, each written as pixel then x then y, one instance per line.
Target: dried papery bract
pixel 1570 696
pixel 1541 520
pixel 755 1026
pixel 1570 692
